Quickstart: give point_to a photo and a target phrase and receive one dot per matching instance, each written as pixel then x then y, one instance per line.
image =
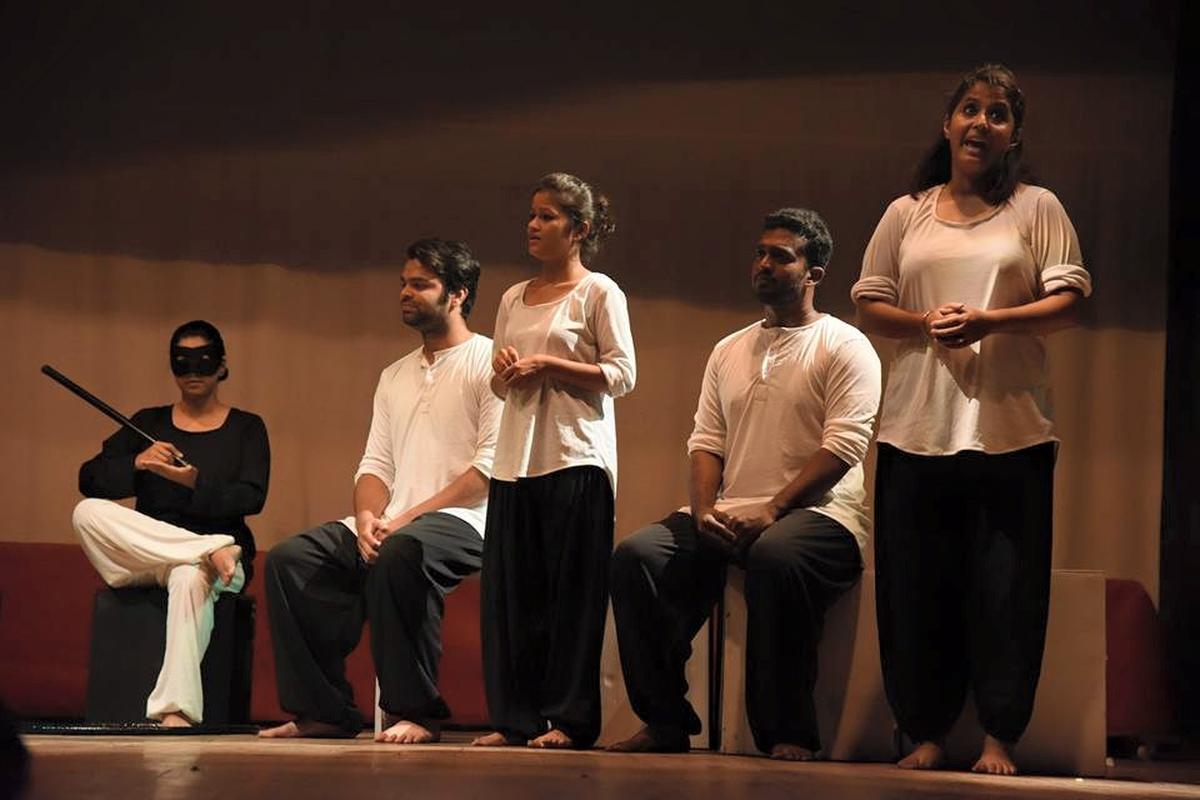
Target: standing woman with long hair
pixel 564 351
pixel 968 272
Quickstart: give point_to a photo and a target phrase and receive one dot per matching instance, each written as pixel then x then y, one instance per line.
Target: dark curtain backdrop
pixel 1180 594
pixel 263 165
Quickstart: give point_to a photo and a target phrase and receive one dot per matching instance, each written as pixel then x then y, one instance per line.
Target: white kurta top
pixel 431 423
pixel 550 425
pixel 772 396
pixel 992 396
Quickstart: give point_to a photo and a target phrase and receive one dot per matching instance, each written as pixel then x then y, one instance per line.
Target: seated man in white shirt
pixel 420 498
pixel 785 415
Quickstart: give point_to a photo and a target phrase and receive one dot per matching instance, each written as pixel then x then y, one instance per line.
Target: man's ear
pixel 815 274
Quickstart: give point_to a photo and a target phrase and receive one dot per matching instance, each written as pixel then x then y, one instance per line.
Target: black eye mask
pixel 204 360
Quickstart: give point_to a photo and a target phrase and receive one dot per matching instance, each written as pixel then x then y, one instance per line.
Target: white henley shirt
pixel 772 396
pixel 431 423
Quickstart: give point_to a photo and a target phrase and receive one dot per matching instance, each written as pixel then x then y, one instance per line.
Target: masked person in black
pixel 206 471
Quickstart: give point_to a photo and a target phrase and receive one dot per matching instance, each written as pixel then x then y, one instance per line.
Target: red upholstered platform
pixel 1138 702
pixel 46 593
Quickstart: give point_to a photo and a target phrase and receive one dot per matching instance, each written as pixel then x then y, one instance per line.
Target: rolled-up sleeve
pixel 378 458
pixel 852 394
pixel 1056 248
pixel 500 330
pixel 614 341
pixel 709 432
pixel 880 276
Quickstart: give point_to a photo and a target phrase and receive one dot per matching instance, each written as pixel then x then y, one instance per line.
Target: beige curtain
pixel 293 252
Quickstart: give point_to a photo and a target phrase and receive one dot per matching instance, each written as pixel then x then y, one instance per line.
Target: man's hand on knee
pixel 710 524
pixel 368 540
pixel 747 523
pixel 386 527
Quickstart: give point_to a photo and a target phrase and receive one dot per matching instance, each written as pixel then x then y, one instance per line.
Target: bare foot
pixel 928 755
pixel 174 719
pixel 996 758
pixel 553 739
pixel 652 741
pixel 403 731
pixel 305 729
pixel 224 561
pixel 791 752
pixel 494 739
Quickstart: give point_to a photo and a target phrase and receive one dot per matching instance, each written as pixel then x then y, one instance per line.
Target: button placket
pixel 423 400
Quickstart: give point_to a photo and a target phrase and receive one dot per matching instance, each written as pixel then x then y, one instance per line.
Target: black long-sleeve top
pixel 233 466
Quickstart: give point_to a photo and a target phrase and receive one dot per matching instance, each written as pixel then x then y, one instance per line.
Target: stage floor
pixel 236 767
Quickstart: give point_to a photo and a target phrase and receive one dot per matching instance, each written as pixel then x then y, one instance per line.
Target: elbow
pixel 871 295
pixel 701 450
pixel 243 502
pixel 89 486
pixel 480 473
pixel 848 447
pixel 1069 314
pixel 375 470
pixel 619 379
pixel 258 502
pixel 866 314
pixel 1073 313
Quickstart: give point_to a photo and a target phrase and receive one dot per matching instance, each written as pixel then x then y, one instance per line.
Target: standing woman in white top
pixel 968 272
pixel 564 351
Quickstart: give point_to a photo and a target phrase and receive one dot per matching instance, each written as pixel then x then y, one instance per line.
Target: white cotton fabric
pixel 992 396
pixel 129 548
pixel 433 421
pixel 772 397
pixel 550 425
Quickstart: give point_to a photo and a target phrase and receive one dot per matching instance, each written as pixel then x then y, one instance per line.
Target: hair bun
pixel 582 204
pixel 603 225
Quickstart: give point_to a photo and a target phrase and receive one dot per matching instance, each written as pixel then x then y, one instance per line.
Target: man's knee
pixel 769 556
pixel 286 554
pixel 401 549
pixel 631 554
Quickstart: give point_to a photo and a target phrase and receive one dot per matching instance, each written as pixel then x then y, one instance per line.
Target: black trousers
pixel 665 580
pixel 319 592
pixel 962 560
pixel 545 592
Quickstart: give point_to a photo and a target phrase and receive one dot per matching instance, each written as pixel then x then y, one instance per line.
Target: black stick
pixel 101 406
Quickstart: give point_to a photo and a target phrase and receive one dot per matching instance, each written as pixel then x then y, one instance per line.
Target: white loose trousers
pixel 129 548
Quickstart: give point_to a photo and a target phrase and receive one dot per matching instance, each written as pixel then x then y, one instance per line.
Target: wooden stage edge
pixel 235 767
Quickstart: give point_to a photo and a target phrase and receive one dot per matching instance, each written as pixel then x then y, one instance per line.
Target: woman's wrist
pixel 925 329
